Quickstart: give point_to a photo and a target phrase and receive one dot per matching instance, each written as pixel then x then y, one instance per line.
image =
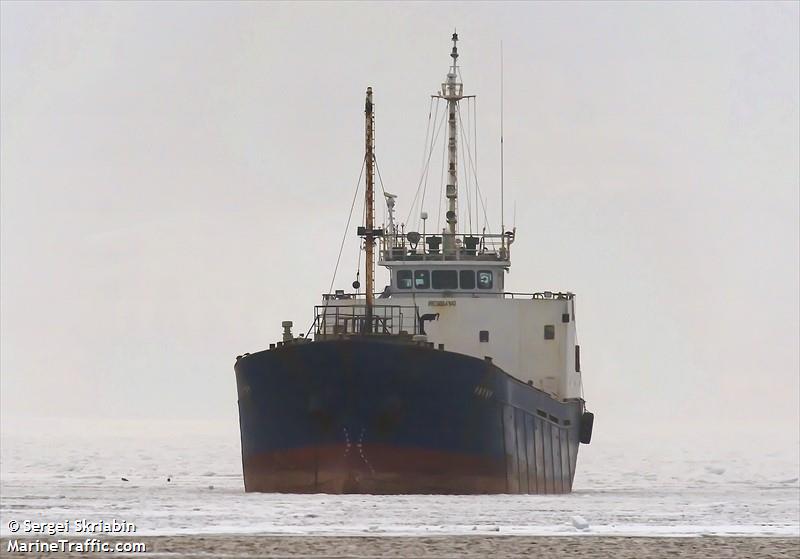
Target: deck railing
pixel 444 246
pixel 353 320
pixel 563 295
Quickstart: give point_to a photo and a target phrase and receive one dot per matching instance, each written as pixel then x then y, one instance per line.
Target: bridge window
pixel 485 280
pixel 444 279
pixel 404 279
pixel 483 336
pixel 549 332
pixel 422 279
pixel 467 279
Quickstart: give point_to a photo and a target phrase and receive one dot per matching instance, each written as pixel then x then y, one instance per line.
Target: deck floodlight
pixel 413 239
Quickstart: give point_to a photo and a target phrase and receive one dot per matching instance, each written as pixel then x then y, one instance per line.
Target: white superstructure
pixel 448 289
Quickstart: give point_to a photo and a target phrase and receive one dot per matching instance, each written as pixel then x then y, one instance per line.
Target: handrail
pixel 341 296
pixel 545 295
pixel 349 320
pixel 446 246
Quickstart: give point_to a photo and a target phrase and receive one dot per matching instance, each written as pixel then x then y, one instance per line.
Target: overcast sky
pixel 176 179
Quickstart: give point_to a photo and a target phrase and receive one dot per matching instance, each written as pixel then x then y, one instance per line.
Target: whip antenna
pixel 502 193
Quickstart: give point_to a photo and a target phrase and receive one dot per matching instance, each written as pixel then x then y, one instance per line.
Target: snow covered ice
pixel 617 492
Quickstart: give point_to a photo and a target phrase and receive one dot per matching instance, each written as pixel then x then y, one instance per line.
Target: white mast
pixel 452 92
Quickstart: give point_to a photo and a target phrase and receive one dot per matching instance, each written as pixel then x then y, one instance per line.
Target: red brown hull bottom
pixel 373 469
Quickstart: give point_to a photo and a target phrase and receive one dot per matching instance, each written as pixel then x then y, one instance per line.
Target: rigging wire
pixel 465 171
pixel 358 273
pixel 344 238
pixel 362 242
pixel 477 185
pixel 427 168
pixel 471 141
pixel 427 164
pixel 425 146
pixel 475 148
pixel 380 179
pixel 441 185
pixel 428 129
pixel 424 184
pixel 427 173
pixel 385 198
pixel 472 101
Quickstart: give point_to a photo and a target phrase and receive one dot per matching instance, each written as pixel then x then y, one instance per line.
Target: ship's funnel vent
pixel 287 330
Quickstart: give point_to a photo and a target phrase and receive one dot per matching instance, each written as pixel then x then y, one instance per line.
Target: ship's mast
pixel 452 92
pixel 369 238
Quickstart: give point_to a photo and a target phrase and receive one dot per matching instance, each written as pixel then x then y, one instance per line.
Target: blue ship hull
pixel 370 415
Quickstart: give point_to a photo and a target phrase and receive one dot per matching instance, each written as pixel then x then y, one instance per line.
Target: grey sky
pixel 176 178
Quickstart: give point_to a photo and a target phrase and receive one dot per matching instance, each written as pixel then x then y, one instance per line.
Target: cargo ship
pixel 441 383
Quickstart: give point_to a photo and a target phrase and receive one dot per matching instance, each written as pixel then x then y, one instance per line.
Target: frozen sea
pixel 620 489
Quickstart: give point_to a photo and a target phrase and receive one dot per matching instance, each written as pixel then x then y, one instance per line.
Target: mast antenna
pixel 502 192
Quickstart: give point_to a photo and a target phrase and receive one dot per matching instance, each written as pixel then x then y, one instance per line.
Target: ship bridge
pixel 458 264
